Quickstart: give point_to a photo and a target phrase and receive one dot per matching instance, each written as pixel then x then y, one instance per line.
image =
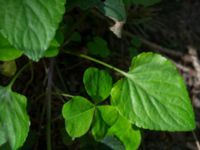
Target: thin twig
pixel 196 140
pixel 48 100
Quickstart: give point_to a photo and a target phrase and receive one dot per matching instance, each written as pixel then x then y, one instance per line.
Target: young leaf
pixel 30 25
pixel 98 47
pixel 8 68
pixel 8 52
pixel 128 135
pixel 14 120
pixel 153 95
pixel 104 118
pixel 98 84
pixel 78 114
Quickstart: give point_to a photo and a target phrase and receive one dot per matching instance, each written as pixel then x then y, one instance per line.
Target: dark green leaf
pixel 153 95
pixel 14 120
pixel 98 84
pixel 105 117
pixel 30 25
pixel 78 114
pixel 98 47
pixel 8 52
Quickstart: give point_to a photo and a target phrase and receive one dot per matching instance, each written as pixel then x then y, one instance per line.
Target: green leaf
pixel 98 47
pixel 30 25
pixel 8 52
pixel 115 10
pixel 8 68
pixel 113 143
pixel 98 83
pixel 105 117
pixel 78 114
pixel 128 135
pixel 153 95
pixel 53 50
pixel 14 120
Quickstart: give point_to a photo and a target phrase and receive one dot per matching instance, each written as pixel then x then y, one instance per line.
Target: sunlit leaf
pixel 98 83
pixel 153 95
pixel 78 114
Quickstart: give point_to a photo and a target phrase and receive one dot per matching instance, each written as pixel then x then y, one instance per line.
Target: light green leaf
pixel 98 47
pixel 128 135
pixel 30 25
pixel 153 95
pixel 8 52
pixel 105 117
pixel 98 83
pixel 14 120
pixel 2 136
pixel 78 114
pixel 53 49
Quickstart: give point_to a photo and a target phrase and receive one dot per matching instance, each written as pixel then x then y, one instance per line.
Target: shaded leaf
pixel 127 134
pixel 98 47
pixel 14 120
pixel 78 114
pixel 153 95
pixel 8 68
pixel 105 117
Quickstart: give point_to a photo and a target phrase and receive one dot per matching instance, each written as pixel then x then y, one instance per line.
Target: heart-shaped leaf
pixel 30 25
pixel 98 84
pixel 153 95
pixel 78 114
pixel 14 120
pixel 98 47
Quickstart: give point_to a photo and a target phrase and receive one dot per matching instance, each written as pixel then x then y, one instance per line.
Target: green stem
pixel 97 61
pixel 17 75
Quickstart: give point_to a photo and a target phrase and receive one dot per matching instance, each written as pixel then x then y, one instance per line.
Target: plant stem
pixel 17 75
pixel 48 99
pixel 97 61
